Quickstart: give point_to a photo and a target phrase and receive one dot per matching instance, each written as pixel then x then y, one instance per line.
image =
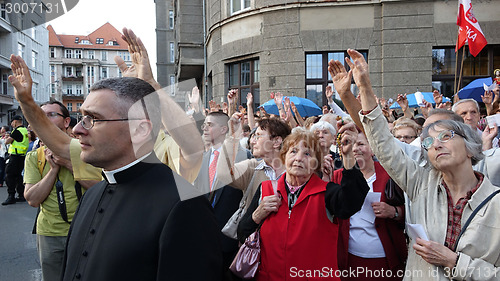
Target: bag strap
pixel 472 216
pixel 40 153
pixel 60 200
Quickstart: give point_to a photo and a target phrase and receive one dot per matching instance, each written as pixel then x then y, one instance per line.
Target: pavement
pixel 18 254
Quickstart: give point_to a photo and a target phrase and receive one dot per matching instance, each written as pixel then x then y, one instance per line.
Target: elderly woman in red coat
pixel 373 238
pixel 298 238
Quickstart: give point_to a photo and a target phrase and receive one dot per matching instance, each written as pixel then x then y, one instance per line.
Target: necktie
pixel 212 168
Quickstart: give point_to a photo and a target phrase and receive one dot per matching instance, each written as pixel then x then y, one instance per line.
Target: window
pixel 33 30
pixel 172 85
pixel 317 77
pixel 78 105
pixel 4 84
pixel 90 71
pixel 78 71
pixel 3 12
pixel 124 55
pixel 444 62
pixel 90 54
pixel 68 53
pixel 69 71
pixel 52 52
pixel 104 72
pixel 69 90
pixel 77 40
pixel 245 76
pixel 52 71
pixel 53 88
pixel 34 59
pixel 78 90
pixel 99 41
pixel 78 54
pixel 104 55
pixel 35 91
pixel 172 52
pixel 171 19
pixel 84 42
pixel 239 5
pixel 20 50
pixel 70 106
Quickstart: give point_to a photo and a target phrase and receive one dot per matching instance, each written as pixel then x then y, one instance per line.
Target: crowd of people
pixel 139 189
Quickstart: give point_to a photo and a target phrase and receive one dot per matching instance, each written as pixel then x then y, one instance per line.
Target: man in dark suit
pixel 133 225
pixel 223 198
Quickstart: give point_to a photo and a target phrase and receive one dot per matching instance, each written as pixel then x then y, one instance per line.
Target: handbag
pixel 231 227
pixel 394 195
pixel 247 260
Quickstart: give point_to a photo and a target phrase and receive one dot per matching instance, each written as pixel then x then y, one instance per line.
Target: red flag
pixel 469 29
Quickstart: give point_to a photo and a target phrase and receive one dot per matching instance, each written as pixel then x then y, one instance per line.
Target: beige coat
pixel 479 246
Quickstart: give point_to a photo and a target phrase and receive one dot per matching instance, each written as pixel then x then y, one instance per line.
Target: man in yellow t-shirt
pixel 51 185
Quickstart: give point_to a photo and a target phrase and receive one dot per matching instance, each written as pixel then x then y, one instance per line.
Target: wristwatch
pixel 396 215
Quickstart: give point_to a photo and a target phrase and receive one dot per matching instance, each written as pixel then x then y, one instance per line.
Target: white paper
pixel 420 98
pixel 490 87
pixel 366 211
pixel 416 231
pixel 493 120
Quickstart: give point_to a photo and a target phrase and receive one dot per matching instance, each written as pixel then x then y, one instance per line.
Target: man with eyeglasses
pixel 133 225
pixel 51 187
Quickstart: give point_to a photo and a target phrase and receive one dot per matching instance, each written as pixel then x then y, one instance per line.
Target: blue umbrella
pixel 412 101
pixel 474 89
pixel 305 107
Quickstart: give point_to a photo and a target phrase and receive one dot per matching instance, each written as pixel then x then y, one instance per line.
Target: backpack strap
pixel 40 152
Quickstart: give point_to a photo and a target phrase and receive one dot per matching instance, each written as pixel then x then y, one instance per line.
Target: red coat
pixel 302 246
pixel 389 231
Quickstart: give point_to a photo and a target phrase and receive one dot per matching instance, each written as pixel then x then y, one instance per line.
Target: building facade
pixel 22 34
pixel 264 46
pixel 78 61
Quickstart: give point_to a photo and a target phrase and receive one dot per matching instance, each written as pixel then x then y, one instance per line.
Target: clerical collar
pixel 110 175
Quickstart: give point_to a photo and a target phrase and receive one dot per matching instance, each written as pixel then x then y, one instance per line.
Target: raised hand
pixel 212 105
pixel 426 108
pixel 359 68
pixel 340 77
pixel 438 98
pixel 224 107
pixel 329 93
pixel 249 99
pixel 487 97
pixel 194 99
pixel 402 101
pixel 20 78
pixel 141 67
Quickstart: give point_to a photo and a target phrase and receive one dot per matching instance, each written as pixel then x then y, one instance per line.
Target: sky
pixel 88 15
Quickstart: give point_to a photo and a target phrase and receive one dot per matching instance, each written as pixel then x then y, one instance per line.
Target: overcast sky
pixel 88 15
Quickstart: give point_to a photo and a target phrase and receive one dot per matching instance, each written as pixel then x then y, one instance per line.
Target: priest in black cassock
pixel 138 223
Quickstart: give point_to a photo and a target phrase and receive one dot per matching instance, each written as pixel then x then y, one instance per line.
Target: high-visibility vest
pixel 20 148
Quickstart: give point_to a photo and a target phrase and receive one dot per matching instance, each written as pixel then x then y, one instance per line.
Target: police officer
pixel 19 143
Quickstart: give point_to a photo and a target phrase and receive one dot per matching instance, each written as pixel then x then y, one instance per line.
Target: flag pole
pixel 457 98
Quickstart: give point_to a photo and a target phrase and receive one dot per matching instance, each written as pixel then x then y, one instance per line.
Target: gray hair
pixel 454 107
pixel 323 125
pixel 473 142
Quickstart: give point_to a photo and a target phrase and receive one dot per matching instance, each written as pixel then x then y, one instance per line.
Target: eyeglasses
pixel 257 137
pixel 88 121
pixel 205 126
pixel 443 137
pixel 54 114
pixel 406 137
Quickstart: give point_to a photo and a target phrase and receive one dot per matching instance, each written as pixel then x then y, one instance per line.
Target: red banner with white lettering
pixel 469 29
